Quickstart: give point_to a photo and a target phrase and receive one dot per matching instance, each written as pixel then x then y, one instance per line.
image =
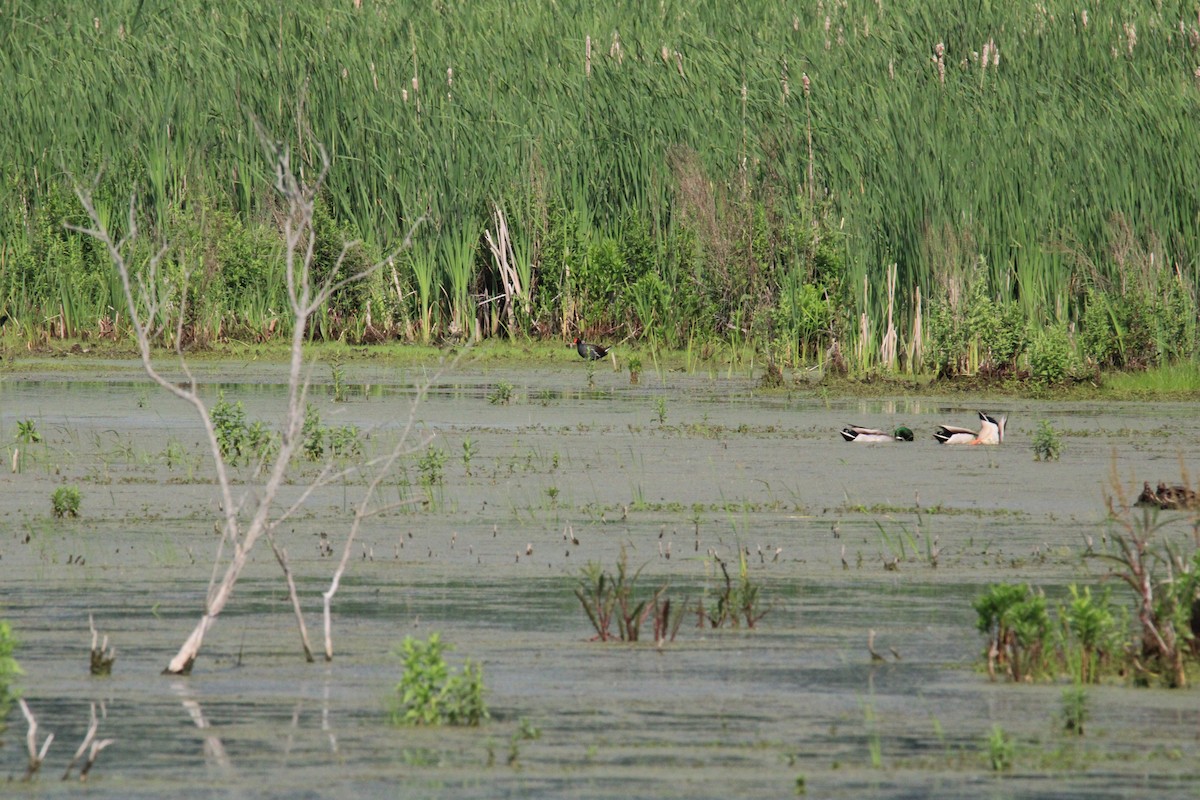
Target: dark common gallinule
pixel 588 351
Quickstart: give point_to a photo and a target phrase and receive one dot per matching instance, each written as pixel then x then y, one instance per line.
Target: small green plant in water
pixel 1074 709
pixel 874 743
pixel 468 447
pixel 635 369
pixel 341 442
pixel 1092 626
pixel 431 694
pixel 1047 442
pixel 338 374
pixel 1017 624
pixel 1000 750
pixel 501 394
pixel 27 432
pixel 736 604
pixel 432 466
pixel 239 440
pixel 526 732
pixel 65 501
pixel 660 408
pixel 607 598
pixel 174 454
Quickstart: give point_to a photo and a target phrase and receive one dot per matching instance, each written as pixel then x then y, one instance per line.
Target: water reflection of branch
pixel 89 740
pixel 291 737
pixel 214 748
pixel 325 726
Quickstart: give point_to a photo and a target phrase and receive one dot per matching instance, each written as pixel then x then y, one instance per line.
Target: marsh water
pixel 577 466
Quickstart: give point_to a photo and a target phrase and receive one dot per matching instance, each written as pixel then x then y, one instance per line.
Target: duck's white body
pixel 991 431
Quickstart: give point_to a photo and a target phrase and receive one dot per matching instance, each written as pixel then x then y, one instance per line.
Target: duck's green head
pixel 903 434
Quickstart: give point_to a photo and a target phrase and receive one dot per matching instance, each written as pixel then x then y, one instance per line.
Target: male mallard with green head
pixel 857 433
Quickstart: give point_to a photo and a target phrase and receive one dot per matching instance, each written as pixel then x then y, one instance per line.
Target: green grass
pixel 782 147
pixel 1181 379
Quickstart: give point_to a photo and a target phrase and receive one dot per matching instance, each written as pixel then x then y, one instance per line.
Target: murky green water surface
pixel 671 471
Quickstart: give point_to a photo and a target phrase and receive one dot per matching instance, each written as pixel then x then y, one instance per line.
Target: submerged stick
pixel 103 656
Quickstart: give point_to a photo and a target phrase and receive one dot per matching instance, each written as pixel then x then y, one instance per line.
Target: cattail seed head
pixel 806 83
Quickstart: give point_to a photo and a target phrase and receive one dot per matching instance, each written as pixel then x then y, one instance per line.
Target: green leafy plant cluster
pixel 501 394
pixel 978 333
pixel 65 500
pixel 1087 642
pixel 1162 575
pixel 1051 357
pixel 609 598
pixel 240 441
pixel 1047 442
pixel 430 693
pixel 737 603
pixel 339 442
pixel 27 432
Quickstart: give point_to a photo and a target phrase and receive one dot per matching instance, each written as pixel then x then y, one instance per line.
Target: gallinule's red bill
pixel 589 351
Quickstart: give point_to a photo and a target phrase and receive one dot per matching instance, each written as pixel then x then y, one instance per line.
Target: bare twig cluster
pixel 154 302
pixel 89 749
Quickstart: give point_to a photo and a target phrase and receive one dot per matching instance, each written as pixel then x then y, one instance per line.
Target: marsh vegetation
pixel 829 183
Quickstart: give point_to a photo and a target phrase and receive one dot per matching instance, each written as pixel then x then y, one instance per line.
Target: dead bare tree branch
pixel 148 293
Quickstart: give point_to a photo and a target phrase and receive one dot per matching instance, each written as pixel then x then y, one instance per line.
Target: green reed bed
pixel 668 171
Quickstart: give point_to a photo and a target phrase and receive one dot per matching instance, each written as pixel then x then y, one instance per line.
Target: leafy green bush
pixel 1050 356
pixel 945 346
pixel 1047 443
pixel 1017 623
pixel 65 501
pixel 429 694
pixel 996 329
pixel 802 317
pixel 1092 625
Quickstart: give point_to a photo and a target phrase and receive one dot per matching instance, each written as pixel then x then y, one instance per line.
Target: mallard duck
pixel 1148 497
pixel 857 433
pixel 991 431
pixel 1176 497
